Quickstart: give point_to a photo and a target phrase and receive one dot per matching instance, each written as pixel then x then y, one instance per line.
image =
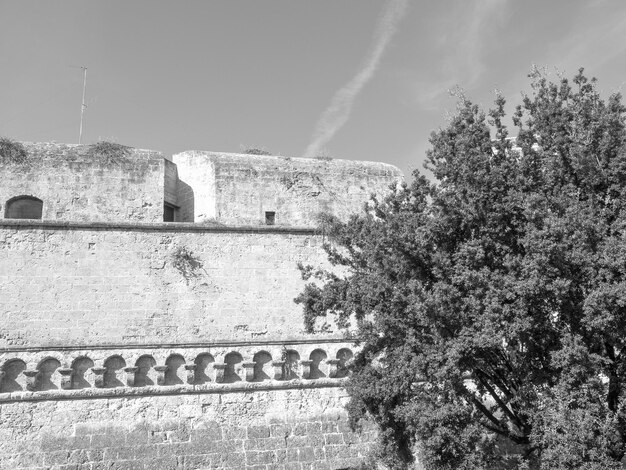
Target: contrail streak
pixel 338 112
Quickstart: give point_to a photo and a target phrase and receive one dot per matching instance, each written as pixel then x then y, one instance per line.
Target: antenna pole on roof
pixel 83 106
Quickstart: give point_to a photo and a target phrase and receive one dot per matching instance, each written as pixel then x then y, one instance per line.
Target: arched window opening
pixel 233 362
pixel 23 207
pixel 262 366
pixel 175 370
pixel 204 369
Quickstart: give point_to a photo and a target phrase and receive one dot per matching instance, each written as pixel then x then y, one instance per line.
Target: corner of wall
pixel 196 186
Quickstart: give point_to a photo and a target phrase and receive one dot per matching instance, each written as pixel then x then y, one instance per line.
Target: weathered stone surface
pixel 76 186
pixel 106 285
pixel 128 343
pixel 244 431
pixel 238 189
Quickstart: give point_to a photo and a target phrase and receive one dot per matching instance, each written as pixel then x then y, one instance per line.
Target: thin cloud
pixel 473 43
pixel 338 112
pixel 602 43
pixel 464 46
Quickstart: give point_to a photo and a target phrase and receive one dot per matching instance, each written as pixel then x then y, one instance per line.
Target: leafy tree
pixel 490 306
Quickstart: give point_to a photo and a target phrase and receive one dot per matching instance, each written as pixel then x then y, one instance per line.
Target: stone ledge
pixel 155 227
pixel 95 393
pixel 210 344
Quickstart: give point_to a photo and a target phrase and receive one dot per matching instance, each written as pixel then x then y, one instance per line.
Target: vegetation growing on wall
pixel 12 151
pixel 491 305
pixel 111 152
pixel 256 151
pixel 325 156
pixel 186 263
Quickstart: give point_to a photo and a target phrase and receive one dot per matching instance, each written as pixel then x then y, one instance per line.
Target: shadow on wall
pixel 185 202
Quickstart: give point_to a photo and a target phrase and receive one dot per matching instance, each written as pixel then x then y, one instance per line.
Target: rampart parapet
pixel 78 185
pixel 241 189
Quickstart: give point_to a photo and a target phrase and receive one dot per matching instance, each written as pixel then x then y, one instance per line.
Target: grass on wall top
pixel 111 152
pixel 12 151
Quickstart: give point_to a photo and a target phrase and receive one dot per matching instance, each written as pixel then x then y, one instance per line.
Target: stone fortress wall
pixel 129 342
pixel 77 187
pixel 67 284
pixel 240 189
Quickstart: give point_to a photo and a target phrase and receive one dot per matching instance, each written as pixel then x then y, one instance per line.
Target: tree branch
pixel 499 401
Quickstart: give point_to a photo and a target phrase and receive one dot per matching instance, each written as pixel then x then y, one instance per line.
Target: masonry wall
pixel 72 284
pixel 127 343
pixel 239 189
pixel 75 185
pixel 171 182
pixel 274 429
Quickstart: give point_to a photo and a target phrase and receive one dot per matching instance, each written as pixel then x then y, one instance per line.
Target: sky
pixel 352 79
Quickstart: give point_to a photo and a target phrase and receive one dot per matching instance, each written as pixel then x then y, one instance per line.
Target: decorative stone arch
pixel 263 369
pixel 344 357
pixel 144 374
pixel 292 364
pixel 46 368
pixel 175 370
pixel 23 207
pixel 318 358
pixel 204 368
pixel 232 370
pixel 114 371
pixel 81 367
pixel 12 375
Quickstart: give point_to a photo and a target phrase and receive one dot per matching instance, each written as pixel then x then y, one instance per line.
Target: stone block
pixel 306 454
pixel 108 440
pixel 233 459
pixel 258 432
pixel 322 466
pixel 30 459
pixel 329 427
pixel 234 432
pixel 293 466
pixel 164 463
pixel 52 442
pixel 83 456
pixel 335 452
pixel 131 453
pixel 335 438
pixel 268 443
pixel 179 435
pixel 280 430
pixel 194 462
pixel 127 465
pixel 300 429
pixel 292 456
pixel 56 457
pixel 212 434
pixel 72 466
pixel 313 428
pixel 204 446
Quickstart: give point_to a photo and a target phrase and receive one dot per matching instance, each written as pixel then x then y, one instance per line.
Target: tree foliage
pixel 490 306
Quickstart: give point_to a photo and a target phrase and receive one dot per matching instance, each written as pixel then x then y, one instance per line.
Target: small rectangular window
pixel 169 212
pixel 270 218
